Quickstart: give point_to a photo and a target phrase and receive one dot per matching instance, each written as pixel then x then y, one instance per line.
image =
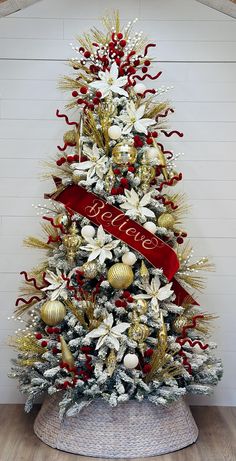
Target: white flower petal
pixel 114 341
pixel 117 89
pixel 165 292
pixel 120 328
pixel 108 321
pixel 114 72
pixel 97 332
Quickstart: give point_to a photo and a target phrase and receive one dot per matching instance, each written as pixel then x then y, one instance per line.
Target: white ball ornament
pixel 129 258
pixel 150 226
pixel 139 88
pixel 114 132
pixel 88 231
pixel 130 361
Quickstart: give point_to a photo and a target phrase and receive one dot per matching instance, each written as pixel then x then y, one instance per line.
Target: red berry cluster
pixel 123 183
pixel 147 367
pixel 180 236
pixel 138 141
pixel 68 159
pixel 125 298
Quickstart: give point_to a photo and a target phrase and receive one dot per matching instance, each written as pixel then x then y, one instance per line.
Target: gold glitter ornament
pixel 166 220
pixel 109 180
pixel 52 312
pixel 72 241
pixel 141 306
pixel 179 323
pixel 90 270
pixel 138 332
pixel 66 354
pixel 111 362
pixel 123 153
pixel 120 276
pixel 70 137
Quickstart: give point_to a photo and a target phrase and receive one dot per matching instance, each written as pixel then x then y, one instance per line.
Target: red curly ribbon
pixel 32 279
pixel 24 301
pixel 146 48
pixel 170 182
pixel 191 325
pixel 165 114
pixel 167 202
pixel 66 118
pixel 146 92
pixel 66 144
pixel 57 226
pixel 152 77
pixel 183 341
pixel 53 240
pixel 165 152
pixel 172 132
pixel 71 287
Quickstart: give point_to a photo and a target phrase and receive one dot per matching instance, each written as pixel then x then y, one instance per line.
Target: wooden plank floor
pixel 216 442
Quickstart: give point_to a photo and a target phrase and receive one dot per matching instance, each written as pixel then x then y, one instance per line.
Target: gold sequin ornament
pixel 120 276
pixel 109 180
pixel 166 220
pixel 138 332
pixel 52 312
pixel 66 354
pixel 72 241
pixel 111 362
pixel 90 270
pixel 179 323
pixel 123 153
pixel 146 174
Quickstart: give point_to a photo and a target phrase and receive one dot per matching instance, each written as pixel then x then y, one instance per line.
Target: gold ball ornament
pixel 123 153
pixel 52 312
pixel 120 276
pixel 179 323
pixel 70 137
pixel 90 270
pixel 166 220
pixel 141 306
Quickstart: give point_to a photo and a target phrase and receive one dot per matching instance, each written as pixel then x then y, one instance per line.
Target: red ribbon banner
pixel 116 223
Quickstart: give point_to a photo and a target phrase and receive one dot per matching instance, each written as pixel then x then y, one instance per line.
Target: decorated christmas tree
pixel 111 313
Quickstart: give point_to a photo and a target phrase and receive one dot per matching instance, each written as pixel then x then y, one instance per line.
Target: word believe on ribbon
pixel 115 222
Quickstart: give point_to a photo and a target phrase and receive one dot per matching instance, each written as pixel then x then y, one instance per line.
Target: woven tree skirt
pixel 132 429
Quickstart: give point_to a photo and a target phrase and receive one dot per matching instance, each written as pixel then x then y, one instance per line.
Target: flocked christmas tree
pixel 111 313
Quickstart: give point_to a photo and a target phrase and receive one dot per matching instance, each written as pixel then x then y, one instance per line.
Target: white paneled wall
pixel 197 53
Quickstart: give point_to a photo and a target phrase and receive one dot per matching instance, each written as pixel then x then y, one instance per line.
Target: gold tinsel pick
pixel 111 362
pixel 188 271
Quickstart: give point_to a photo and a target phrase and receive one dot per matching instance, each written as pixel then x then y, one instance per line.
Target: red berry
pixel 119 35
pixel 121 53
pixel 87 54
pixel 50 330
pixel 131 70
pixel 124 303
pixel 86 349
pixel 148 353
pixel 81 49
pixel 91 107
pixel 98 94
pixel 144 69
pixel 130 299
pixel 124 181
pixel 38 336
pixel 131 169
pixel 123 43
pixel 55 350
pixel 126 294
pixel 117 61
pixel 57 330
pixel 118 303
pixel 74 94
pixel 116 171
pixel 120 190
pixel 179 240
pixel 184 234
pixel 58 162
pixel 63 160
pixel 147 62
pixel 114 191
pixel 83 89
pixel 44 343
pixel 136 62
pixel 70 158
pixel 149 140
pixel 121 72
pixel 147 368
pixel 80 101
pixel 76 157
pixel 154 134
pixel 96 101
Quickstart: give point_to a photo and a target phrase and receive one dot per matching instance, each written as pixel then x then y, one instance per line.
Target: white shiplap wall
pixel 197 53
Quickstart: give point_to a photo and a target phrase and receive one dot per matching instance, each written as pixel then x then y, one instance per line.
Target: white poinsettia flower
pixel 136 206
pixel 107 331
pixel 57 285
pixel 134 119
pixel 110 82
pixel 95 165
pixel 98 246
pixel 154 292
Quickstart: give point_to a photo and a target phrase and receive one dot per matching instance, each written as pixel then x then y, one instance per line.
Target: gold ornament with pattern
pixel 179 323
pixel 120 276
pixel 109 180
pixel 138 332
pixel 90 270
pixel 52 312
pixel 123 153
pixel 72 242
